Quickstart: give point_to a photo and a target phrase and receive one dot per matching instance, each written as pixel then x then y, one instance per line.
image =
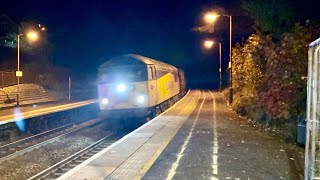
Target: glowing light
pixel 43 29
pixel 140 99
pixel 210 17
pixel 33 36
pixel 19 120
pixel 121 88
pixel 105 101
pixel 208 44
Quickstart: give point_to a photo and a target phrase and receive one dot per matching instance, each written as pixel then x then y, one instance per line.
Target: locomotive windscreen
pixel 123 74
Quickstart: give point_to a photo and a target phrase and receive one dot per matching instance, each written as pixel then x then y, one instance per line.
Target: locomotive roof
pixel 134 59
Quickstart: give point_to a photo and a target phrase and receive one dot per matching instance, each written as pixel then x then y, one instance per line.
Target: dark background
pixel 84 34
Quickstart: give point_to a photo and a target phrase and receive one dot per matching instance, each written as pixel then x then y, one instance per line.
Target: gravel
pixel 38 160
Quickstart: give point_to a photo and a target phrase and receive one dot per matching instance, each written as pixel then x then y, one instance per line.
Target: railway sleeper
pixel 58 174
pixel 73 162
pixel 82 158
pixel 104 146
pixel 86 156
pixel 107 144
pixel 71 165
pixel 90 154
pixel 78 161
pixel 59 170
pixel 21 146
pixel 95 151
pixel 66 169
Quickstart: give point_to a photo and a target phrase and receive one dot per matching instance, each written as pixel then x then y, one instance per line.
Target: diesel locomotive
pixel 133 85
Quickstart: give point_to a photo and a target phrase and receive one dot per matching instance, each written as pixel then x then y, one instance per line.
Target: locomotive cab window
pixel 123 73
pixel 151 73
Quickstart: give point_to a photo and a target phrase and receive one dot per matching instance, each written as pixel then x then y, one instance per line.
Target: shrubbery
pixel 269 83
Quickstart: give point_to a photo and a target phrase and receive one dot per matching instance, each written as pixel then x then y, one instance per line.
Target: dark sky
pixel 86 33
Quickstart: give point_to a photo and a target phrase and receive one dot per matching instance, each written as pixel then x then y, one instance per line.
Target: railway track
pixel 67 164
pixel 20 147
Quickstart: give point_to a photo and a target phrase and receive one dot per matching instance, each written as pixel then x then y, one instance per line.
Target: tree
pixel 270 16
pixel 284 92
pixel 248 67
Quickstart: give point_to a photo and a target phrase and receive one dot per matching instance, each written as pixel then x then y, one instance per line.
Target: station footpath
pixel 9 114
pixel 198 138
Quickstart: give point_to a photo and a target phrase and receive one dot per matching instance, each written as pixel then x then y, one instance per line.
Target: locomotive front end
pixel 123 86
pixel 123 95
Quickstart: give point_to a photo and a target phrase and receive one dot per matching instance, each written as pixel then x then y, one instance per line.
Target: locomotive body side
pixel 163 85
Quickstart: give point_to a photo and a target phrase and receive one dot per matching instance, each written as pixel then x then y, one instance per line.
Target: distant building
pixel 8 30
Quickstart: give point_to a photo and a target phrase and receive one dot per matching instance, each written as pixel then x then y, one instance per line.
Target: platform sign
pixel 18 73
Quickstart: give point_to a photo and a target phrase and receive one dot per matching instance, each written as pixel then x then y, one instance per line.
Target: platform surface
pixel 8 115
pixel 197 138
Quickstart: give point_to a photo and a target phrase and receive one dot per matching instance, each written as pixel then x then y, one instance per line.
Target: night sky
pixel 86 33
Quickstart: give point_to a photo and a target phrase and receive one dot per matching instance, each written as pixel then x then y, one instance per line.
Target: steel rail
pixel 43 143
pixel 67 164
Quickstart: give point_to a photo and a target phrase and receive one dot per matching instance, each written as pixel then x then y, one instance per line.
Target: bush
pixel 268 77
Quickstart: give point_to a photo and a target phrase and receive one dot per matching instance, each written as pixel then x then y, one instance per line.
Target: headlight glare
pixel 121 87
pixel 105 101
pixel 141 99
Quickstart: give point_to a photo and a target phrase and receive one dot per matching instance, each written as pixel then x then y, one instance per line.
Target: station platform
pixel 197 138
pixel 9 114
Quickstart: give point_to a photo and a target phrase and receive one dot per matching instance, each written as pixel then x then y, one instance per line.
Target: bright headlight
pixel 121 87
pixel 140 99
pixel 105 101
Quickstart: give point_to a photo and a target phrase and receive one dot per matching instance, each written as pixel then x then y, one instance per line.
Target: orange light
pixel 208 44
pixel 33 36
pixel 210 17
pixel 43 29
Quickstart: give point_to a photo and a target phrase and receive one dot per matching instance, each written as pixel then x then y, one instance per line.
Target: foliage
pixel 268 77
pixel 284 93
pixel 249 61
pixel 270 16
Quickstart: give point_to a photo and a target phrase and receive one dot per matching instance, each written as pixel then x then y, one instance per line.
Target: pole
pixel 18 80
pixel 69 88
pixel 230 76
pixel 2 81
pixel 220 67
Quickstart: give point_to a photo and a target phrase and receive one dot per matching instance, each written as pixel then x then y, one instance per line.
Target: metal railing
pixel 7 78
pixel 312 150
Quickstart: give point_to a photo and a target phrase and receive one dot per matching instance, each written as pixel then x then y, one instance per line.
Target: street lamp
pixel 210 18
pixel 207 44
pixel 33 36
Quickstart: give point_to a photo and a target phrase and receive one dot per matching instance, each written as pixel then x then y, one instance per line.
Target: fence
pixel 7 78
pixel 312 150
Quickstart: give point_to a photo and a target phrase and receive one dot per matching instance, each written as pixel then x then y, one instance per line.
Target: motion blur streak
pixel 19 120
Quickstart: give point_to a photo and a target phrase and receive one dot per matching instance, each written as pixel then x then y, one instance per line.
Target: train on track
pixel 136 86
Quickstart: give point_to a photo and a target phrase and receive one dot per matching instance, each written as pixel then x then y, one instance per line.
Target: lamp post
pixel 230 76
pixel 208 44
pixel 220 69
pixel 33 36
pixel 210 18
